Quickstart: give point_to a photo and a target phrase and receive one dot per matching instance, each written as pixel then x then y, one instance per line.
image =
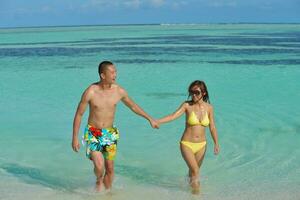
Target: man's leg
pixel 97 159
pixel 109 173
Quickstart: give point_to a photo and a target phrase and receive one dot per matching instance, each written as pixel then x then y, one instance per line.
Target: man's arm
pixel 136 109
pixel 77 119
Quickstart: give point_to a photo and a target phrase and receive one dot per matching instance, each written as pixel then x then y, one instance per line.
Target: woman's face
pixel 196 93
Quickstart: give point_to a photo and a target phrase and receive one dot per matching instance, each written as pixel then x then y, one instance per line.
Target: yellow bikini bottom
pixel 195 147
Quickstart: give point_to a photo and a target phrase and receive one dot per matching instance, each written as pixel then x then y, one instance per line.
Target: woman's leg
pixel 200 157
pixel 192 164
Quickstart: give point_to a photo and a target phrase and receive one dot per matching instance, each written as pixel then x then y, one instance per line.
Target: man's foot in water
pixel 98 186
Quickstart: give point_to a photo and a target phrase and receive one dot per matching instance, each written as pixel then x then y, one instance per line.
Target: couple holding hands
pixel 101 137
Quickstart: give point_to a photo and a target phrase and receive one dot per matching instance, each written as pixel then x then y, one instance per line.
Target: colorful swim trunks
pixel 103 140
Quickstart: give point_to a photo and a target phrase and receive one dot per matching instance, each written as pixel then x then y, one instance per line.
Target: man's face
pixel 110 74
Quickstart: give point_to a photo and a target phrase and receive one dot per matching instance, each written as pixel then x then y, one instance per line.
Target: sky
pixel 23 13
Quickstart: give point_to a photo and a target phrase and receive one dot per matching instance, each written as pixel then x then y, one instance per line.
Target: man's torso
pixel 102 105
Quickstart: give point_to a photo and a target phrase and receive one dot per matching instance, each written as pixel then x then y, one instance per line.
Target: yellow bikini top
pixel 193 120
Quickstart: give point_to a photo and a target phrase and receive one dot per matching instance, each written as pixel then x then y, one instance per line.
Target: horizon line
pixel 149 24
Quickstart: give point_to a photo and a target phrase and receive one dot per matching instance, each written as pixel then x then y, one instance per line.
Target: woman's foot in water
pixel 196 190
pixel 195 186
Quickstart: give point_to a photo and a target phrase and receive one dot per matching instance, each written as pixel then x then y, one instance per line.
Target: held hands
pixel 75 144
pixel 154 123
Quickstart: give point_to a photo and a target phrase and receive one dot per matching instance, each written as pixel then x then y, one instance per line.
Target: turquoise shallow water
pixel 252 72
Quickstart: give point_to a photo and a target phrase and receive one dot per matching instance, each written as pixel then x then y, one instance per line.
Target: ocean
pixel 252 72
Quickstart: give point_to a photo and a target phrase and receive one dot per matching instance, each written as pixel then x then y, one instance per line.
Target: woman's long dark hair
pixel 202 87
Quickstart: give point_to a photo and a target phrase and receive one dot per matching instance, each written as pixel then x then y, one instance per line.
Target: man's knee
pixel 109 169
pixel 98 163
pixel 98 167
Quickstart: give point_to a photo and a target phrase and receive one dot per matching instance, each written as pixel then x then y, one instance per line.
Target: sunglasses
pixel 195 92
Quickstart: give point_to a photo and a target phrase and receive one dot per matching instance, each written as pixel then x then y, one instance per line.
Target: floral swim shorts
pixel 103 140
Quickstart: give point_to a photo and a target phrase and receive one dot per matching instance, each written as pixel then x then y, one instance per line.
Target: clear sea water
pixel 252 72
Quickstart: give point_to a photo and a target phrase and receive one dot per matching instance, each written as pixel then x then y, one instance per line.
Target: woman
pixel 199 115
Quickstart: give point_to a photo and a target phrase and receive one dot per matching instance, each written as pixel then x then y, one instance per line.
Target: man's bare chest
pixel 104 100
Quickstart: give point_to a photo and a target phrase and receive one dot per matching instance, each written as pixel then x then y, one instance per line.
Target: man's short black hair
pixel 103 66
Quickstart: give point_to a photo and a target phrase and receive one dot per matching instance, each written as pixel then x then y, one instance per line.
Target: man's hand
pixel 75 144
pixel 154 123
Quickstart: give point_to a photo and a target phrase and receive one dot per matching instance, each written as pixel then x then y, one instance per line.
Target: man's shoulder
pixel 92 88
pixel 120 89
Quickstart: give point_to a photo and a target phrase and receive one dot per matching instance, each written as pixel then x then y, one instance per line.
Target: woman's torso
pixel 197 119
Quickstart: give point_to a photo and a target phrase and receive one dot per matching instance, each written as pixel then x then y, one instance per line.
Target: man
pixel 100 135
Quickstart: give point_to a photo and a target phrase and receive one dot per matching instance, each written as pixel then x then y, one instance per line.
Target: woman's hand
pixel 216 149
